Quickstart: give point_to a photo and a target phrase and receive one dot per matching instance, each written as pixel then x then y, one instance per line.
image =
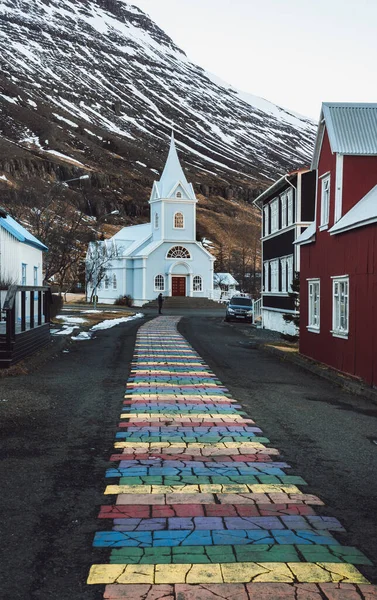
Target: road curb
pixel 355 387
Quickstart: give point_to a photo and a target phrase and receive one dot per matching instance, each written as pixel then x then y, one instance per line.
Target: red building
pixel 338 275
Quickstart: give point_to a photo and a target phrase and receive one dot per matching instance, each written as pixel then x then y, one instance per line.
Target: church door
pixel 179 286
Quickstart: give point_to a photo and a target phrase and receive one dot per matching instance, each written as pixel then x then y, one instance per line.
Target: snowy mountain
pixel 96 86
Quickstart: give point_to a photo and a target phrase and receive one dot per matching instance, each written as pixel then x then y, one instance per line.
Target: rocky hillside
pixel 95 87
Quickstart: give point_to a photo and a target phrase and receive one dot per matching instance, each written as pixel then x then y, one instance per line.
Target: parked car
pixel 240 307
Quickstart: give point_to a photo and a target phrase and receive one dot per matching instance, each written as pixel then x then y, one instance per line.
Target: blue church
pixel 161 256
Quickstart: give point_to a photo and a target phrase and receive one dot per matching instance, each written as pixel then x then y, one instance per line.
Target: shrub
pixel 124 300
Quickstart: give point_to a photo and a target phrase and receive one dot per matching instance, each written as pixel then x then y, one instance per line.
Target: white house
pixel 20 254
pixel 160 256
pixel 225 285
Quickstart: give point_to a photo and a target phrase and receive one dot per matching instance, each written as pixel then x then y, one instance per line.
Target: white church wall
pixel 187 233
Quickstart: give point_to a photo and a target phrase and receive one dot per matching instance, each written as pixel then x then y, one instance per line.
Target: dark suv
pixel 240 307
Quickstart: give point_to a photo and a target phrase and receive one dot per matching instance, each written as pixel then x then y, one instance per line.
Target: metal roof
pixel 20 233
pixel 351 127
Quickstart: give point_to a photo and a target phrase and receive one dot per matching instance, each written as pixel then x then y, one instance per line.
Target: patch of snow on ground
pixel 81 337
pixel 66 330
pixel 56 153
pixel 65 120
pixel 3 178
pixel 72 320
pixel 140 163
pixel 112 322
pixel 9 99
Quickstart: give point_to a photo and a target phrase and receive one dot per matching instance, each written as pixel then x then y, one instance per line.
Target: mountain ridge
pixel 95 87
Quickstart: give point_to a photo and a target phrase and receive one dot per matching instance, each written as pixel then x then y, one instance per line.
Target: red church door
pixel 178 286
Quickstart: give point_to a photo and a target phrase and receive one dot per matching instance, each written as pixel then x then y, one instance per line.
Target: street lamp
pixel 113 212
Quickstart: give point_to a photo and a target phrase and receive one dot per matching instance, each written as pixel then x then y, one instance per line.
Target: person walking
pixel 160 301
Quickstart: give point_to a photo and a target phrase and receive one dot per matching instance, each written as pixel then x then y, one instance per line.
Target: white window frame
pixel 290 272
pixel 338 314
pixel 274 204
pixel 197 283
pixel 274 267
pixel 266 272
pixel 284 217
pixel 325 200
pixel 156 220
pixel 266 223
pixel 176 215
pixel 115 282
pixel 35 276
pixel 161 286
pixel 178 194
pixel 290 218
pixel 107 282
pixel 283 272
pixel 23 273
pixel 314 305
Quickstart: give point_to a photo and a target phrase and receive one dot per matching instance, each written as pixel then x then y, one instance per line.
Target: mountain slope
pixel 75 72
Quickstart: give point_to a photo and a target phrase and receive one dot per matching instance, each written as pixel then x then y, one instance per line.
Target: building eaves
pixel 20 233
pixel 277 185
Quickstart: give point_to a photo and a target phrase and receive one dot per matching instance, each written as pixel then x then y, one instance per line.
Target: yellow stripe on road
pixel 243 572
pixel 206 488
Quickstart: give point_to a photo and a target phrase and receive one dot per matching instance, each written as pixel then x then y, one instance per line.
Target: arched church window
pixel 107 282
pixel 159 283
pixel 178 252
pixel 178 195
pixel 114 282
pixel 156 220
pixel 197 284
pixel 178 220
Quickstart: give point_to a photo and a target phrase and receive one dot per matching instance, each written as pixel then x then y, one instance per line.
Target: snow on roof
pixel 351 127
pixel 133 233
pixel 363 213
pixel 307 236
pixel 224 278
pixel 20 233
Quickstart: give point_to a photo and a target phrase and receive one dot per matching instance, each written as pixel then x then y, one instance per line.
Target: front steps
pixel 185 302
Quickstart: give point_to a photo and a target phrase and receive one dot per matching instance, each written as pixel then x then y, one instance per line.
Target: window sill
pixel 339 334
pixel 313 329
pixel 323 227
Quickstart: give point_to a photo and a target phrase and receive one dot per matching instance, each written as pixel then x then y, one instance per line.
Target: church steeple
pixel 173 176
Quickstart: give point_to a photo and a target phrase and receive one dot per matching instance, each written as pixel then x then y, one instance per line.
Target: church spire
pixel 173 173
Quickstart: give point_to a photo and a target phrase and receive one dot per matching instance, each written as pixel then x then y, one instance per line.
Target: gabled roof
pixel 19 232
pixel 172 176
pixel 363 213
pixel 351 127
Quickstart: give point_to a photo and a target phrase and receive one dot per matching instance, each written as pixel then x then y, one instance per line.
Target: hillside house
pixel 287 208
pixel 339 249
pixel 225 286
pixel 24 314
pixel 160 256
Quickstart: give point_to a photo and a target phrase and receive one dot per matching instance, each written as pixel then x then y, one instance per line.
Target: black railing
pixel 25 307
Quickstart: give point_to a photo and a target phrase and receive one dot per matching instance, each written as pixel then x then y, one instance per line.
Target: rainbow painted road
pixel 201 507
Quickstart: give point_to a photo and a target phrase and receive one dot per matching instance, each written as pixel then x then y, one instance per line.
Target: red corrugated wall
pixel 355 254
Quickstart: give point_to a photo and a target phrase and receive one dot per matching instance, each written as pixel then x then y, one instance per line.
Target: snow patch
pixel 113 322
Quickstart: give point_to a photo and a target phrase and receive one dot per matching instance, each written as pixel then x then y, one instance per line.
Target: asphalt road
pixel 57 429
pixel 327 435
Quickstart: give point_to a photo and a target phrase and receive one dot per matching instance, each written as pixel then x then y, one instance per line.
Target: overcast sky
pixel 295 53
